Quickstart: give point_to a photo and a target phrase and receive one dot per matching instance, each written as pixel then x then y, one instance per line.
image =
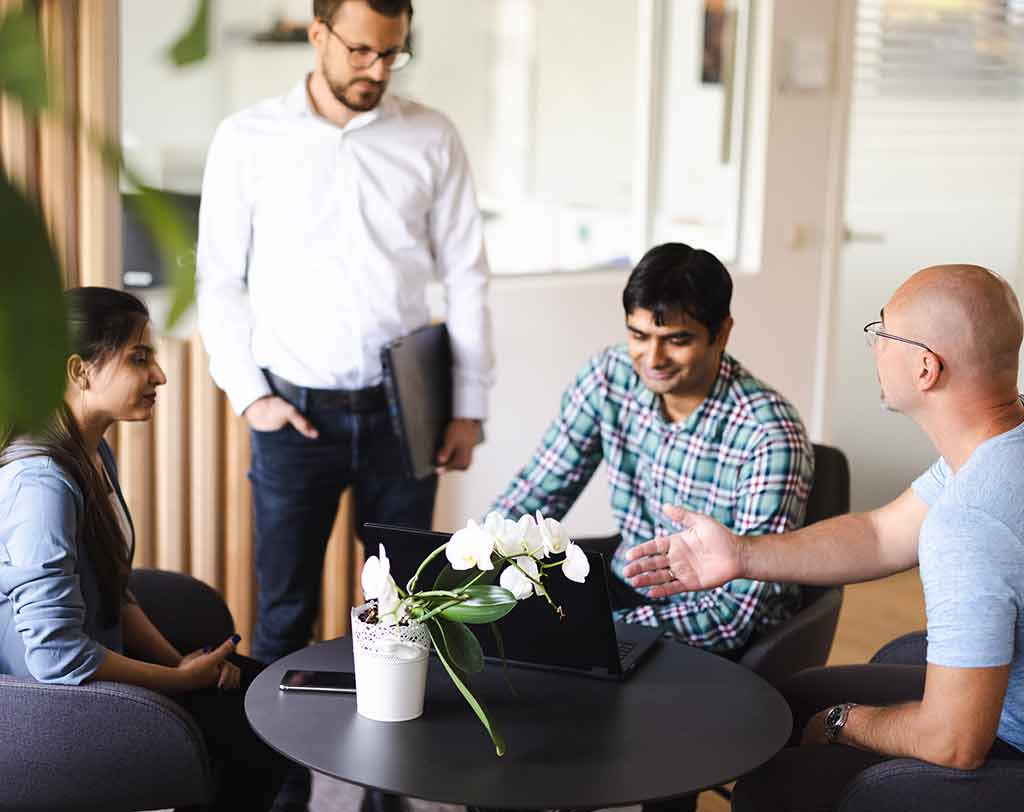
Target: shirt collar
pixel 297 100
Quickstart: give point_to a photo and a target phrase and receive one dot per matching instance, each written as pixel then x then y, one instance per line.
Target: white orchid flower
pixel 380 586
pixel 388 604
pixel 506 533
pixel 376 574
pixel 470 547
pixel 552 534
pixel 516 582
pixel 576 565
pixel 533 543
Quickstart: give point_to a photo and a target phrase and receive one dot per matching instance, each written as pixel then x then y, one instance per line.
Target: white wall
pixel 546 326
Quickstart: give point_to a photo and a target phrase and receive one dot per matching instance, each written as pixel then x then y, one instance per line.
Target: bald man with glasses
pixel 947 353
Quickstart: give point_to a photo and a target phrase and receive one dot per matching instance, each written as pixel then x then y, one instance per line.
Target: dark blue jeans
pixel 296 485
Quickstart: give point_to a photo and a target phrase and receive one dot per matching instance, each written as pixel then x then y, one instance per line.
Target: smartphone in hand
pixel 332 681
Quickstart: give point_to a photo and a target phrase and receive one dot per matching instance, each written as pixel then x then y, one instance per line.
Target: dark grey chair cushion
pixel 892 785
pixel 107 746
pixel 910 649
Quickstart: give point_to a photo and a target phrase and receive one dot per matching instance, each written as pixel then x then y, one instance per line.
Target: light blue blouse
pixel 51 627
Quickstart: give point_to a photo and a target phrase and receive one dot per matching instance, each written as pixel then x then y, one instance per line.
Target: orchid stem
pixel 411 586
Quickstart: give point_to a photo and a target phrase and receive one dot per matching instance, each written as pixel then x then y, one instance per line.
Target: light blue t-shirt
pixel 971 551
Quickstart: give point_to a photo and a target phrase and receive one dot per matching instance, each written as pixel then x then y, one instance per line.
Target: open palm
pixel 702 556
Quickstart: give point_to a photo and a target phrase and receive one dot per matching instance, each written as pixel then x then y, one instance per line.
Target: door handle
pixel 849 235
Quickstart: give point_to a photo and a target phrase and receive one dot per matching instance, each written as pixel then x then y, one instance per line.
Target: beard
pixel 358 95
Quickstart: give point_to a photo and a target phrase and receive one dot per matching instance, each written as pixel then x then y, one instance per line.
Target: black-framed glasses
pixel 361 57
pixel 873 332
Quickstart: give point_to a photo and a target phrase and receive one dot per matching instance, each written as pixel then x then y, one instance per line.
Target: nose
pixel 158 378
pixel 655 354
pixel 379 72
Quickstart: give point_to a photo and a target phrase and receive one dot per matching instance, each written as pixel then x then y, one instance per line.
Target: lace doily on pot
pixel 400 643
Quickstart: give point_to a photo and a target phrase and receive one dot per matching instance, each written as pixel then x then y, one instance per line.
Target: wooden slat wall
pixel 98 103
pixel 58 167
pixel 184 474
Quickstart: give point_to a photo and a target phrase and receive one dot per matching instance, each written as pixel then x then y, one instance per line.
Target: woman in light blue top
pixel 66 543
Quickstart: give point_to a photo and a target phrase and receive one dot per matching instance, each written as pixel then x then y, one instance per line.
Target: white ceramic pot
pixel 391 668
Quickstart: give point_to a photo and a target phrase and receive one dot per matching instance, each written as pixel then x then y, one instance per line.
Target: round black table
pixel 685 721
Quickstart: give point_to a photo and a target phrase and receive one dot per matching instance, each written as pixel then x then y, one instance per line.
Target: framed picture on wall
pixel 719 26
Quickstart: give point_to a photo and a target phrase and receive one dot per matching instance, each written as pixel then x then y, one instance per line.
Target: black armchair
pixel 885 787
pixel 803 641
pixel 109 746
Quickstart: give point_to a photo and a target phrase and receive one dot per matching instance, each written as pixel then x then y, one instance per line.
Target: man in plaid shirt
pixel 677 421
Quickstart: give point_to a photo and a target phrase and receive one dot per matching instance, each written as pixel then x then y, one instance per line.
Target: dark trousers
pixel 802 779
pixel 296 486
pixel 247 771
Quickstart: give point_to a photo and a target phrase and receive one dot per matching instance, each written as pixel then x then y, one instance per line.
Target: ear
pixel 78 373
pixel 724 332
pixel 316 34
pixel 928 371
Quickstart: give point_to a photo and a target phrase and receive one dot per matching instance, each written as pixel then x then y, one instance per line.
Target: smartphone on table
pixel 333 681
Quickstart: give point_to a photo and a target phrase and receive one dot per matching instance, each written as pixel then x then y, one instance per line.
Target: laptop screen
pixel 584 638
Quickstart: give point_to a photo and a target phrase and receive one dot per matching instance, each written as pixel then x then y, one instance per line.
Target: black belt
pixel 369 399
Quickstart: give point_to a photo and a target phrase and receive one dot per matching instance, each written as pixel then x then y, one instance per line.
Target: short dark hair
pixel 326 9
pixel 675 278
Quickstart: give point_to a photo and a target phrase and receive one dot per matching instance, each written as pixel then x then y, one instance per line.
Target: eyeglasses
pixel 872 333
pixel 361 57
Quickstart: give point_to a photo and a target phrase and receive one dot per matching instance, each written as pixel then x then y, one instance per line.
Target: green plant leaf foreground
pixel 478 707
pixel 33 327
pixel 193 46
pixel 486 604
pixel 176 242
pixel 23 60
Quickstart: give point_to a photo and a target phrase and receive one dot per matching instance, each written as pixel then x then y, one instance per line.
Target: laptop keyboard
pixel 625 647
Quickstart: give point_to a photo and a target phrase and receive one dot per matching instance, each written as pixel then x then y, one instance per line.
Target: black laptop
pixel 586 642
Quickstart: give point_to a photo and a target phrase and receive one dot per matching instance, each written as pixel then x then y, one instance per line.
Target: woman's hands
pixel 203 668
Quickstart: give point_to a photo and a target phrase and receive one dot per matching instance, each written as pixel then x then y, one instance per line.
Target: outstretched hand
pixel 702 556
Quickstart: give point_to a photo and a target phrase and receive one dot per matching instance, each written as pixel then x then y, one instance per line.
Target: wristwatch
pixel 835 720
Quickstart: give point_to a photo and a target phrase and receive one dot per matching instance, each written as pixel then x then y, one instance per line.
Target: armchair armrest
pixel 801 642
pixel 893 785
pixel 101 745
pixel 910 649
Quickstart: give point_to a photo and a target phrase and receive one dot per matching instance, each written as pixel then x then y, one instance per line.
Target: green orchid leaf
pixel 194 45
pixel 451 579
pixel 462 647
pixel 478 706
pixel 486 604
pixel 175 238
pixel 23 60
pixel 33 328
pixel 500 643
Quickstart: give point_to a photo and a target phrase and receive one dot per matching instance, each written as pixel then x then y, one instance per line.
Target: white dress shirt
pixel 316 244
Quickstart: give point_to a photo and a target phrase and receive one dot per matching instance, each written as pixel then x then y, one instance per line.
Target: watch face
pixel 834 715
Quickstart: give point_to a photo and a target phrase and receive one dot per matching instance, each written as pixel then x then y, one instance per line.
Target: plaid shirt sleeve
pixel 772 495
pixel 567 455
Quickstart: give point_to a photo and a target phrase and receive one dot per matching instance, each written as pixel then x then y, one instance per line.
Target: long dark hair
pixel 101 322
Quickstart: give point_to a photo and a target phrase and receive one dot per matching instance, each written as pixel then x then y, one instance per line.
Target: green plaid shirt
pixel 742 457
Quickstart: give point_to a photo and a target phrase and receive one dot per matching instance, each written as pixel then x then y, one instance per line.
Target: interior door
pixel 935 174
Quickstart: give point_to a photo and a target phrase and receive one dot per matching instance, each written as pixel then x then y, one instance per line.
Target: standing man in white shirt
pixel 324 215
